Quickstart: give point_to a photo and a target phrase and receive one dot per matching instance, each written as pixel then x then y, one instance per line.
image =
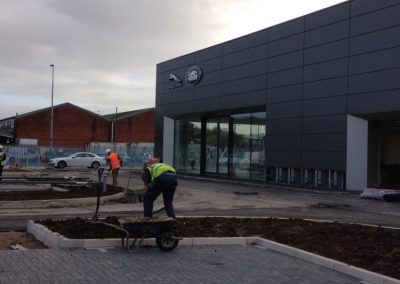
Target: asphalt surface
pixel 198 264
pixel 207 197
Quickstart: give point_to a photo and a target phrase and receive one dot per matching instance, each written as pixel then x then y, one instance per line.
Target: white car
pixel 80 159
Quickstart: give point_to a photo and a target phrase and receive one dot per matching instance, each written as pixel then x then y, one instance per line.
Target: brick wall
pixel 136 129
pixel 72 126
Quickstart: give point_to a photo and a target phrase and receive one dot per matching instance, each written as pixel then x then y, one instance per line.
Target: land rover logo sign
pixel 193 75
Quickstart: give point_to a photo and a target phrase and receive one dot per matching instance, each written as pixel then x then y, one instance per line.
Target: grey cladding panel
pixel 325 88
pixel 384 59
pixel 210 65
pixel 375 21
pixel 287 77
pixel 286 45
pixel 208 53
pixel 284 94
pixel 246 70
pixel 176 109
pixel 286 29
pixel 245 56
pixel 375 40
pixel 364 6
pixel 375 81
pixel 284 126
pixel 284 110
pixel 375 102
pixel 327 16
pixel 324 160
pixel 244 85
pixel 285 142
pixel 249 99
pixel 325 106
pixel 210 104
pixel 324 142
pixel 209 91
pixel 175 97
pixel 325 124
pixel 326 70
pixel 326 34
pixel 208 79
pixel 288 60
pixel 245 42
pixel 283 159
pixel 334 50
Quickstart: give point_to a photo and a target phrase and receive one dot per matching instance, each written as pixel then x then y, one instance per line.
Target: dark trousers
pixel 165 184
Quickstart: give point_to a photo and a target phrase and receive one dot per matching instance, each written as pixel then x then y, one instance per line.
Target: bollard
pixel 100 172
pixel 104 181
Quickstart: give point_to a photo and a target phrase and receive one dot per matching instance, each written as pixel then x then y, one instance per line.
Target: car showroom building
pixel 314 101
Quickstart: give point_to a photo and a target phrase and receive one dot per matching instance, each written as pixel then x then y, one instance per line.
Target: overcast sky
pixel 105 51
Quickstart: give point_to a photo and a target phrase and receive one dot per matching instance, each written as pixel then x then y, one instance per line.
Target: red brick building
pixel 74 126
pixel 133 126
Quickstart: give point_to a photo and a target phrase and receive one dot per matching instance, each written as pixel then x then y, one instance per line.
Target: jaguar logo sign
pixel 175 81
pixel 194 75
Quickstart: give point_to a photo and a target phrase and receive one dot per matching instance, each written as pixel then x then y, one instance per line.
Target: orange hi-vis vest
pixel 115 163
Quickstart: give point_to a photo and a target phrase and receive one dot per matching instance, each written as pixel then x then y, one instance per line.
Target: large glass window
pixel 216 150
pixel 187 145
pixel 233 146
pixel 248 149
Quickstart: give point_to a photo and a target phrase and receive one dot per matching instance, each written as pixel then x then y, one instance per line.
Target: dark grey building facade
pixel 314 101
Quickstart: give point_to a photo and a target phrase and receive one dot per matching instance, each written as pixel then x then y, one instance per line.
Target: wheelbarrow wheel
pixel 167 241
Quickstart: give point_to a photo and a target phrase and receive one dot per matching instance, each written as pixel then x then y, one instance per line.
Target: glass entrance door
pixel 216 146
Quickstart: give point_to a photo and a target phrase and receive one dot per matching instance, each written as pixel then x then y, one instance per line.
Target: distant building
pixel 135 126
pixel 74 126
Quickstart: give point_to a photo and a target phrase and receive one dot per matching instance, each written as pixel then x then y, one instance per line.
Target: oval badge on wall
pixel 193 75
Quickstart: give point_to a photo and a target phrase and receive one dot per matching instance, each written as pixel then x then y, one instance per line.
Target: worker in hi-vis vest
pixel 114 162
pixel 2 160
pixel 159 178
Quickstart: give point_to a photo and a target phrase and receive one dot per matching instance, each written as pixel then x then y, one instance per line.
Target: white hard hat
pixel 108 151
pixel 1 147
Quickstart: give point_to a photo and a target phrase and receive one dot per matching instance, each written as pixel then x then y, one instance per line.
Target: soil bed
pixel 72 192
pixel 373 248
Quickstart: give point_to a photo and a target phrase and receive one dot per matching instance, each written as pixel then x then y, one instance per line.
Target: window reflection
pixel 187 145
pixel 233 146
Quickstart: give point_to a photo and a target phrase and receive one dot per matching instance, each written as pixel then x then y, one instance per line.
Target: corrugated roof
pixel 125 114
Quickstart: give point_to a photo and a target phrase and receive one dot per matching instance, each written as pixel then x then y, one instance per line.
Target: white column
pixel 357 153
pixel 168 141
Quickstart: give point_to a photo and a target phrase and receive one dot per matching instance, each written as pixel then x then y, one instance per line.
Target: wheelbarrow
pixel 136 229
pixel 163 229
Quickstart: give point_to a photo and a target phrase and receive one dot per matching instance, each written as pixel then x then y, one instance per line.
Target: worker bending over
pixel 159 178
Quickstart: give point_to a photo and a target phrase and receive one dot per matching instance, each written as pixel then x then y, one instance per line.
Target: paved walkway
pixel 202 264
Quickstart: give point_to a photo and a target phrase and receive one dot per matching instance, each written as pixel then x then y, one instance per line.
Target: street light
pixel 52 110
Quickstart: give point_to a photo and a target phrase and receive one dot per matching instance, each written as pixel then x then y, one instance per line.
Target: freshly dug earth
pixel 373 248
pixel 80 191
pixel 19 238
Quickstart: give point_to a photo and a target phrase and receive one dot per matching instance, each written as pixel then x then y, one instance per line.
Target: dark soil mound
pixel 72 192
pixel 373 248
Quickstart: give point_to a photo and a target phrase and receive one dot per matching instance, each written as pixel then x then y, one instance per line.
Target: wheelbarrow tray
pixel 148 227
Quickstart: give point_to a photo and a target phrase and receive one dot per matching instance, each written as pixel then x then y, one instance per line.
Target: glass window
pixel 233 146
pixel 211 145
pixel 187 145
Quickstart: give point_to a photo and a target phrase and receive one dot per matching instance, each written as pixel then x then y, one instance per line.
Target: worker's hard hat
pixel 108 151
pixel 1 147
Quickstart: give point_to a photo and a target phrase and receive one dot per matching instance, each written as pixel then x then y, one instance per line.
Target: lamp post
pixel 52 110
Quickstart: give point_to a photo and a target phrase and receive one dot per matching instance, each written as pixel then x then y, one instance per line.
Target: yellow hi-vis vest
pixel 158 169
pixel 2 160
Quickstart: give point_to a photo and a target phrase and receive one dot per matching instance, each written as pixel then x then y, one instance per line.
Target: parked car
pixel 80 159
